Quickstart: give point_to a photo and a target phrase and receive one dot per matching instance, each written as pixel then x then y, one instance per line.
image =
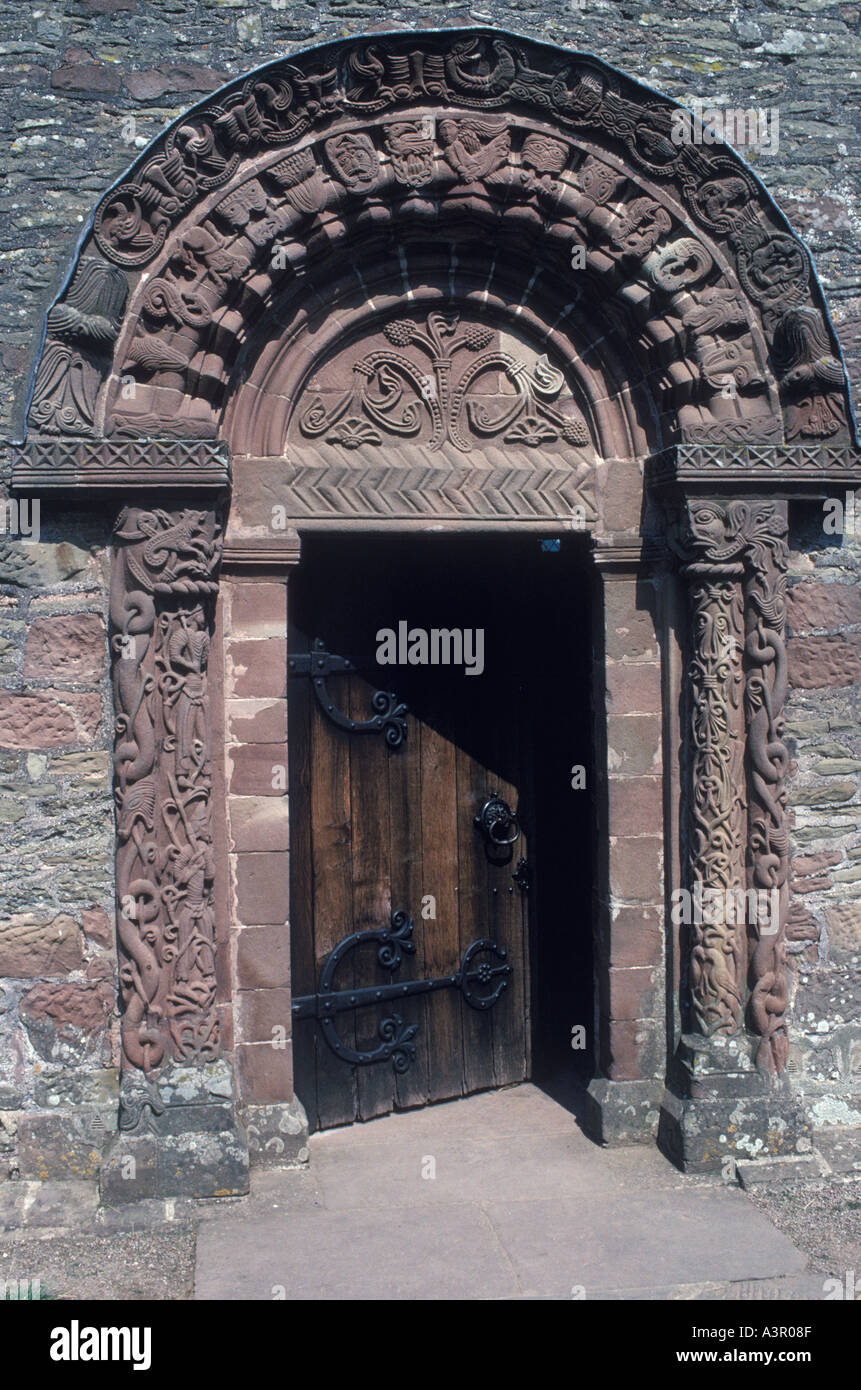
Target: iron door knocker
pixel 499 827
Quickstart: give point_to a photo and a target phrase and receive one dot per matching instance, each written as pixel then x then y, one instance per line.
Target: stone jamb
pixel 628 914
pixel 255 583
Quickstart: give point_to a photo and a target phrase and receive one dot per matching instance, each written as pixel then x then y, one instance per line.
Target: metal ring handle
pixel 497 822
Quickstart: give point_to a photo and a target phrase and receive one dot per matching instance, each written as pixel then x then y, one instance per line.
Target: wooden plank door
pixel 381 829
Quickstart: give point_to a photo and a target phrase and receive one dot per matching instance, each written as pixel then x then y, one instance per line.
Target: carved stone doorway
pixel 448 281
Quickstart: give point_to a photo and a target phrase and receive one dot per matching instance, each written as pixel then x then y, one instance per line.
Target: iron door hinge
pixel 390 714
pixel 396 1040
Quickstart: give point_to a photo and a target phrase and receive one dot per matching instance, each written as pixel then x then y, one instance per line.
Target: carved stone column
pixel 715 793
pixel 178 1132
pixel 729 1096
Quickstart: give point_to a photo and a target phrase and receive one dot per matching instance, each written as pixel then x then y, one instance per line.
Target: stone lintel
pixel 323 488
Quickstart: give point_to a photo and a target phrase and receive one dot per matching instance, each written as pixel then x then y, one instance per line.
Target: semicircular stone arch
pixel 542 184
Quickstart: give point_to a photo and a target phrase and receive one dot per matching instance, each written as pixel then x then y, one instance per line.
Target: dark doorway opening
pixel 522 724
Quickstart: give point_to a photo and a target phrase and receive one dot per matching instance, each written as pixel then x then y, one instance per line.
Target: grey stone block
pixel 700 1136
pixel 66 1145
pixel 204 1164
pixel 623 1112
pixel 277 1134
pixel 790 1168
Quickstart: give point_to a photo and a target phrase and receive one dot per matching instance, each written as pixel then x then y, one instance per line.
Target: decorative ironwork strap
pixel 396 1040
pixel 390 717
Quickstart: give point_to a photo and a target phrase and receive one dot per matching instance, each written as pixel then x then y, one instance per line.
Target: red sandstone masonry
pixel 262 958
pixel 257 721
pixel 48 718
pixel 636 869
pixel 622 1043
pixel 71 647
pixel 633 994
pixel 256 714
pixel 255 767
pixel 261 889
pixel 98 926
pixel 153 83
pixel 259 667
pixel 87 79
pixel 636 936
pixel 225 1024
pixel 816 605
pixel 819 662
pixel 31 946
pixel 265 1072
pixel 260 1011
pixel 629 627
pixel 81 1007
pixel 635 805
pixel 633 687
pixel 257 610
pixel 258 823
pixel 634 744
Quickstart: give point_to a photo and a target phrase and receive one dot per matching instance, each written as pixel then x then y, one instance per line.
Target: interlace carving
pixel 742 547
pixel 161 612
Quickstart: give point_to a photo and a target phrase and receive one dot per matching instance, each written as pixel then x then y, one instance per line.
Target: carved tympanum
pixel 426 381
pixel 162 590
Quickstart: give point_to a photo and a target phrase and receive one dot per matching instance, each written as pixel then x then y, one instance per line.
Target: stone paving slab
pixel 840 1150
pixel 46 1204
pixel 646 1239
pixel 795 1286
pixel 523 1206
pixel 403 1253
